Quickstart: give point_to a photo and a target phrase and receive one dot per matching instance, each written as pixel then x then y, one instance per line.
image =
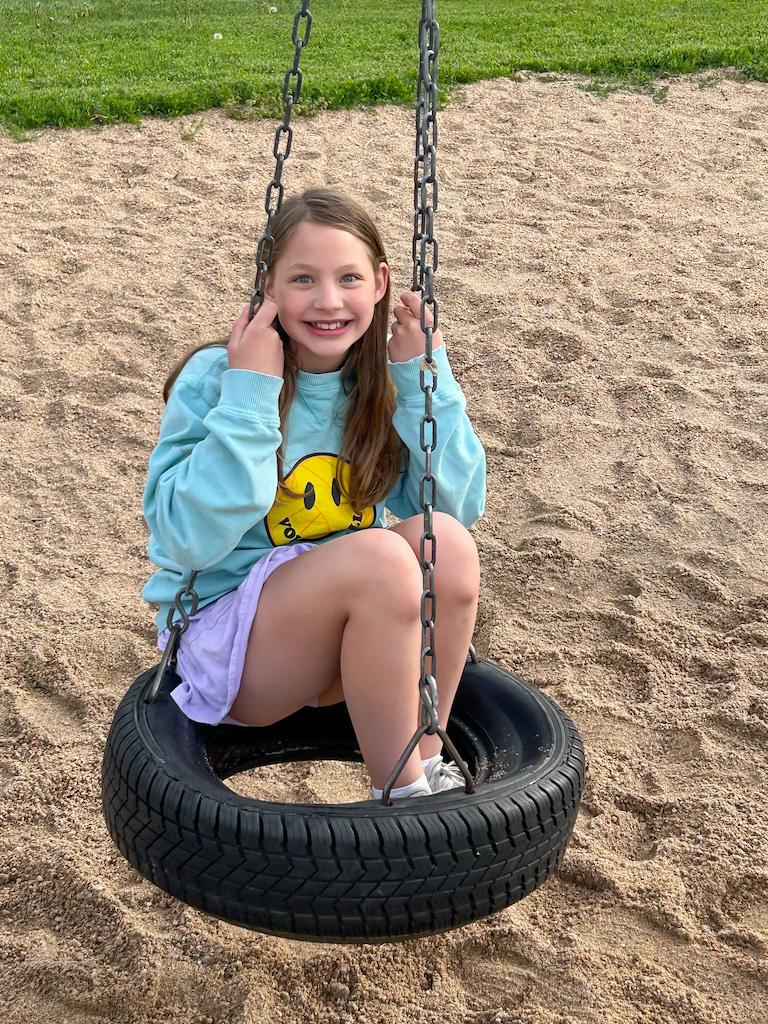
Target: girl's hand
pixel 257 345
pixel 407 338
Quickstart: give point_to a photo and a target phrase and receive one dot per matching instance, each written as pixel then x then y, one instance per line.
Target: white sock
pixel 418 788
pixel 428 762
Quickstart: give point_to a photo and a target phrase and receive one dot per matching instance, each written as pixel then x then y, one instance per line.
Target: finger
pixel 262 314
pixel 238 327
pixel 406 315
pixel 267 310
pixel 413 301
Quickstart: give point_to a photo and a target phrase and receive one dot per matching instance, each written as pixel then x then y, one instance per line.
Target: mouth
pixel 331 327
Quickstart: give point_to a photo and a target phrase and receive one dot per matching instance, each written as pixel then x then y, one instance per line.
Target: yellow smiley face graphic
pixel 320 508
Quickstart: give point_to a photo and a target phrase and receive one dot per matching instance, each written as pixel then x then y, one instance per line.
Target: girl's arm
pixel 458 461
pixel 213 474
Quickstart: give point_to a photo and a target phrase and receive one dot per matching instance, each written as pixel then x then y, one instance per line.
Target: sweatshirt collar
pixel 318 382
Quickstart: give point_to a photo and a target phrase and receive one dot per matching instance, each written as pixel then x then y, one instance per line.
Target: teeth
pixel 331 327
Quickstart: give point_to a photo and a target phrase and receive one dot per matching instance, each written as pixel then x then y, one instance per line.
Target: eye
pixel 301 279
pixel 351 277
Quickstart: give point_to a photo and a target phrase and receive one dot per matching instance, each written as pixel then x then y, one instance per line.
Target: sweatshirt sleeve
pixel 213 474
pixel 458 461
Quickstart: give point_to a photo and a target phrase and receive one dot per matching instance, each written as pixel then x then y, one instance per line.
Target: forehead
pixel 317 246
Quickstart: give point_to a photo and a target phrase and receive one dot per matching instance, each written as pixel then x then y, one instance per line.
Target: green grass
pixel 85 62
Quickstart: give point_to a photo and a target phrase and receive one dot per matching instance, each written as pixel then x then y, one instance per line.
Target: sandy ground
pixel 603 294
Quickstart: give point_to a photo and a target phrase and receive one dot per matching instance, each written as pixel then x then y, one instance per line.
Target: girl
pixel 278 453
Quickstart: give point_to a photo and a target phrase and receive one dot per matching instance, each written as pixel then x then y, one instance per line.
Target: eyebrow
pixel 307 266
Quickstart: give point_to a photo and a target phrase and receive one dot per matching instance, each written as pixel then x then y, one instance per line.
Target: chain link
pixel 425 259
pixel 425 264
pixel 424 252
pixel 291 92
pixel 264 251
pixel 168 661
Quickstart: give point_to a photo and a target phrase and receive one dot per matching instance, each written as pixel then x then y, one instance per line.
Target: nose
pixel 328 296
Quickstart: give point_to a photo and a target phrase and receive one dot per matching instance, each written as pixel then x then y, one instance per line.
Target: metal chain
pixel 425 207
pixel 291 92
pixel 424 267
pixel 264 251
pixel 176 629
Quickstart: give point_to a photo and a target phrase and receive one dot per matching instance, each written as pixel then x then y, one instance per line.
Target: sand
pixel 602 290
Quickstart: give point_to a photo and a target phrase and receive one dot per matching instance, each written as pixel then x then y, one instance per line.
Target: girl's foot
pixel 442 775
pixel 418 788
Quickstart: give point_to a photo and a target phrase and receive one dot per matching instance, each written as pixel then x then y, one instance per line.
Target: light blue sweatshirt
pixel 211 499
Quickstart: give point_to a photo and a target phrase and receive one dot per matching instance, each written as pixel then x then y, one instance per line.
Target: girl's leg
pixel 348 610
pixel 457 584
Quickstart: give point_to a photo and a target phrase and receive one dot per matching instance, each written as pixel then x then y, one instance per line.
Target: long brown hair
pixel 370 445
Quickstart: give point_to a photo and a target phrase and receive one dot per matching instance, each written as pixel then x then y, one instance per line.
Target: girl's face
pixel 326 287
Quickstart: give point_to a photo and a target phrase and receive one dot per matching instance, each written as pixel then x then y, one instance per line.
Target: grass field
pixel 81 62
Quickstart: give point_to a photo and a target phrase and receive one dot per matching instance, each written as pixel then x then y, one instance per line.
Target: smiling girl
pixel 279 452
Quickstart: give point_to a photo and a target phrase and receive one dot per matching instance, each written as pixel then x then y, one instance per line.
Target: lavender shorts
pixel 212 650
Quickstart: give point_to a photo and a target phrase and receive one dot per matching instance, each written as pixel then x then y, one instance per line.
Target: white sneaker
pixel 443 775
pixel 418 788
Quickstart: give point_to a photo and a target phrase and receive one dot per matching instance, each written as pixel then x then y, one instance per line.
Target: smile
pixel 329 328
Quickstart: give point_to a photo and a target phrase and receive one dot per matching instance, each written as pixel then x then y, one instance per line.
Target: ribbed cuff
pixel 247 391
pixel 406 375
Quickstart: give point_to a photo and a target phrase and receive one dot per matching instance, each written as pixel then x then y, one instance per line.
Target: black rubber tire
pixel 357 872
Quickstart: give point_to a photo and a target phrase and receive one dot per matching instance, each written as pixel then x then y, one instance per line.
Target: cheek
pixel 364 318
pixel 367 306
pixel 287 307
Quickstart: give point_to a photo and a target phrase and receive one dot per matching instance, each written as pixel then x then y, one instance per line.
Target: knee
pixel 457 563
pixel 385 569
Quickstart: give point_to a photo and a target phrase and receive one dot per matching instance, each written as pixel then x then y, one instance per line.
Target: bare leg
pixel 457 584
pixel 347 610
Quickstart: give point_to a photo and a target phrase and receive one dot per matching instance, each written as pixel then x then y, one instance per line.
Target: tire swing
pixel 362 872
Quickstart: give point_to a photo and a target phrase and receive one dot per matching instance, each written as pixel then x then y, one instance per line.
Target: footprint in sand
pixel 41 702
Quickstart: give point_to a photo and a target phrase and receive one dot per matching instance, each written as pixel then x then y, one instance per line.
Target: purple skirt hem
pixel 212 650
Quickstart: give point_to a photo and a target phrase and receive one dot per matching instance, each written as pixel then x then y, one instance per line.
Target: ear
pixel 382 280
pixel 269 287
